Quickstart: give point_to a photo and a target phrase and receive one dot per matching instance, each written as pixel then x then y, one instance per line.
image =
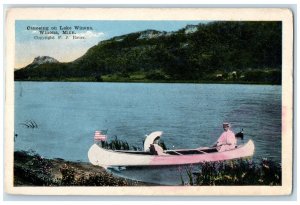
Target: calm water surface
pixel 191 115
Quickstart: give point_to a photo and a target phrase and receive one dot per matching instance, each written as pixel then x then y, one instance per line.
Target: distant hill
pixel 37 61
pixel 233 52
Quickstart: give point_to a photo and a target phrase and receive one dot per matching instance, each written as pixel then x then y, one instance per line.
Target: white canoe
pixel 107 158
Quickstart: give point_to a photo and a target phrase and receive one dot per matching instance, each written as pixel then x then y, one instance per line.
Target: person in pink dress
pixel 227 140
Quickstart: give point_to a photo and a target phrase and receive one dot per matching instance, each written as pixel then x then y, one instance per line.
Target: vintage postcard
pixel 177 102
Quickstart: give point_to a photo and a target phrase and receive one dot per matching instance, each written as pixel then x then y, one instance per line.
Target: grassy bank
pixel 30 169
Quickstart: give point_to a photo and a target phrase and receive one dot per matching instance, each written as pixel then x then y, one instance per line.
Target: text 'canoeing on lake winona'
pixel 58 32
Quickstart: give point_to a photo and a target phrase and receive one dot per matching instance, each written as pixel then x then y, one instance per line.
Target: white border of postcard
pixel 225 14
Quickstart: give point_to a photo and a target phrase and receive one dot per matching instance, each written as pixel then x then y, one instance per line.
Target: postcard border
pixel 226 14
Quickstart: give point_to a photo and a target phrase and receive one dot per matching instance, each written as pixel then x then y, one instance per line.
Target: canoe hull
pixel 106 158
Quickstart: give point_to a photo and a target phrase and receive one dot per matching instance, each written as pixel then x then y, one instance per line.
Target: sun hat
pixel 226 124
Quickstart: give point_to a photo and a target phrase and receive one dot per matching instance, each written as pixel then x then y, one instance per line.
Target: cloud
pixel 35 32
pixel 91 34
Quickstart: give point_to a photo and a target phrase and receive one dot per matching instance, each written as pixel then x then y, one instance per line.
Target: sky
pixel 29 44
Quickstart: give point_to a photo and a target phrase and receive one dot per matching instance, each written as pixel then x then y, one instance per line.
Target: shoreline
pixel 30 169
pixel 161 82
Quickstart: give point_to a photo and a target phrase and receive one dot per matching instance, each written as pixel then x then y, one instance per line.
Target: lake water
pixel 191 115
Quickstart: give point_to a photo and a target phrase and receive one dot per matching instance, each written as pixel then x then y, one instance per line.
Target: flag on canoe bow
pixel 100 135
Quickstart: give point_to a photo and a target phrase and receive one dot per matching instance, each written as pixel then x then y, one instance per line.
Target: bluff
pixel 41 60
pixel 214 52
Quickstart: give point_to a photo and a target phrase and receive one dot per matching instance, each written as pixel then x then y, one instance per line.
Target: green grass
pixel 236 172
pixel 116 144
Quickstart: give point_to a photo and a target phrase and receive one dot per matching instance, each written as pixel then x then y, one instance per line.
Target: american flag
pixel 100 136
